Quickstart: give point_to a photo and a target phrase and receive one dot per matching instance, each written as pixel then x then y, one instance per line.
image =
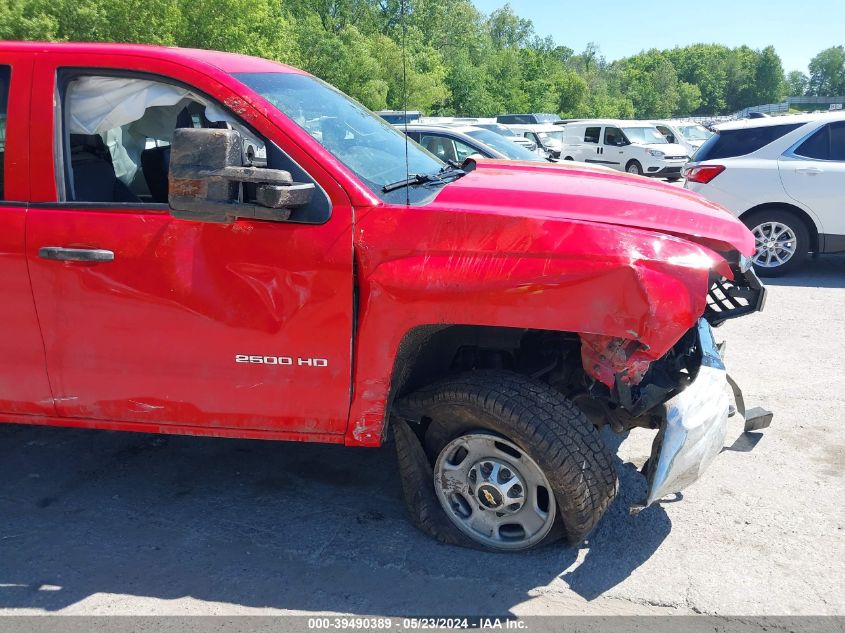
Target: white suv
pixel 784 177
pixel 633 146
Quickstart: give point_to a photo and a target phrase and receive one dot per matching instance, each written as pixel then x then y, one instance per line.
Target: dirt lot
pixel 110 523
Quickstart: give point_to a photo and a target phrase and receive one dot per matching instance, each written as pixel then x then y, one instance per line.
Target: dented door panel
pixel 202 325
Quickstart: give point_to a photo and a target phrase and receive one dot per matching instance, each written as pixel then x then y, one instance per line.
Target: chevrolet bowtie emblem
pixel 490 498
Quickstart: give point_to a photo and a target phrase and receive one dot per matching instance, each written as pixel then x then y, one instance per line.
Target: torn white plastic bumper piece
pixel 693 431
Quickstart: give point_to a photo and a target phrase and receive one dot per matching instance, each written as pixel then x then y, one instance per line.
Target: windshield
pixel 551 139
pixel 695 132
pixel 644 136
pixel 497 128
pixel 366 144
pixel 504 146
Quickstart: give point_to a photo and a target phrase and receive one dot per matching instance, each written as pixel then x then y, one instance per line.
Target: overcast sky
pixel 798 30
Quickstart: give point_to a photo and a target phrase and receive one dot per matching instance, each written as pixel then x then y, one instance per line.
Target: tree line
pixel 456 60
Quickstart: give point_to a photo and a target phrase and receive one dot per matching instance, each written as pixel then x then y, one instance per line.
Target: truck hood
pixel 586 193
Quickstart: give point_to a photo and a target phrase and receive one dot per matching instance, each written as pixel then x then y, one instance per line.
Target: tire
pixel 516 424
pixel 794 235
pixel 674 179
pixel 569 158
pixel 634 167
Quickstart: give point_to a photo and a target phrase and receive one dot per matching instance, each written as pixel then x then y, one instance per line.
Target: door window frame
pixel 792 152
pixel 604 135
pixel 6 72
pixel 598 138
pixel 66 74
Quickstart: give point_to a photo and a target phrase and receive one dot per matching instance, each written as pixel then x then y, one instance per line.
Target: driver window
pixel 613 136
pixel 665 131
pixel 464 151
pixel 443 148
pixel 117 133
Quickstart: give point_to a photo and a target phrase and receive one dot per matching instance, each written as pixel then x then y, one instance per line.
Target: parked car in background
pixel 547 136
pixel 784 177
pixel 685 133
pixel 633 146
pixel 508 133
pixel 456 143
pixel 527 119
pixel 395 117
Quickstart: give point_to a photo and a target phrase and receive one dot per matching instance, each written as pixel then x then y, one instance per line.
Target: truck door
pixel 24 388
pixel 151 321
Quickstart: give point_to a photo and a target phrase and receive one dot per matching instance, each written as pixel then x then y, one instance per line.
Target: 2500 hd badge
pixel 281 360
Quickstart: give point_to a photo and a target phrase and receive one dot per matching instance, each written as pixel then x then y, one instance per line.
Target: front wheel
pixel 782 241
pixel 634 167
pixel 513 463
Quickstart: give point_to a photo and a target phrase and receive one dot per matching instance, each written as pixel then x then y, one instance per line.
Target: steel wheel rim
pixel 776 244
pixel 633 169
pixel 494 492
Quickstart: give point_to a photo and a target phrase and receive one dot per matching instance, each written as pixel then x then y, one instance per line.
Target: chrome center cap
pixel 489 496
pixel 496 486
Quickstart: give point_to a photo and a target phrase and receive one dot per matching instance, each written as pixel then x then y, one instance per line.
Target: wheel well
pixel 633 160
pixel 569 158
pixel 799 212
pixel 430 352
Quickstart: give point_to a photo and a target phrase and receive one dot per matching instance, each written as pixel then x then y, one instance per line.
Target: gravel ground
pixel 109 523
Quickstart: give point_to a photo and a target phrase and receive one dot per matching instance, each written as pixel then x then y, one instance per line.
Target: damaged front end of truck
pixel 684 394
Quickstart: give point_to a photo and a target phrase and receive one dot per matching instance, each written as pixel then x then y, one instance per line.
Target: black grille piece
pixel 730 299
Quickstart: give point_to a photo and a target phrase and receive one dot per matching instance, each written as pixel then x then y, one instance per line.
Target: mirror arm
pixel 191 208
pixel 259 175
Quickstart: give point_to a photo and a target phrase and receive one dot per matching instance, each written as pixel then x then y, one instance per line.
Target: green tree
pixel 255 27
pixel 797 83
pixel 689 99
pixel 650 81
pixel 704 66
pixel 27 20
pixel 508 30
pixel 769 81
pixel 827 73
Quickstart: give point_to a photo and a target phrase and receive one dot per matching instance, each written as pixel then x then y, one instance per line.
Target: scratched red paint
pixel 148 341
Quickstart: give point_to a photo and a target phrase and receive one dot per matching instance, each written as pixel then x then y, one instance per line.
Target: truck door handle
pixel 75 254
pixel 811 171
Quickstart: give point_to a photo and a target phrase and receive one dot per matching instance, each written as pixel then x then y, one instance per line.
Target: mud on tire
pixel 551 430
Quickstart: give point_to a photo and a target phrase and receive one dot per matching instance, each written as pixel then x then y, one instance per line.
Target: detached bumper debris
pixel 695 424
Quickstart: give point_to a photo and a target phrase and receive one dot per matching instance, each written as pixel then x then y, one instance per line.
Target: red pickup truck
pixel 210 244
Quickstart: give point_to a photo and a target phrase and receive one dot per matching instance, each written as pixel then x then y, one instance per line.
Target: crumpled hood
pixel 590 193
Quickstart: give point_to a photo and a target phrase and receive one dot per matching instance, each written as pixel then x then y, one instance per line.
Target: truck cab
pixel 202 243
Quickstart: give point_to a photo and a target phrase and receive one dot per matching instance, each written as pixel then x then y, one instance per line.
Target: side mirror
pixel 206 177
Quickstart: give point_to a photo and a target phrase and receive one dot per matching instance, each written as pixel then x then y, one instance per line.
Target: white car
pixel 633 146
pixel 686 133
pixel 548 137
pixel 784 177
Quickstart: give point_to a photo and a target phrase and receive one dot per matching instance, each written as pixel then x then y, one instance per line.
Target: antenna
pixel 405 98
